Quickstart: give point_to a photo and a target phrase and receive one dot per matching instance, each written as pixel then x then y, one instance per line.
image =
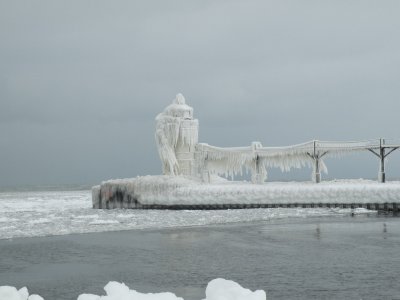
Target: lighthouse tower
pixel 176 137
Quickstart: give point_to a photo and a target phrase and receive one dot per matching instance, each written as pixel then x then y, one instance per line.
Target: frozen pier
pixel 168 192
pixel 191 173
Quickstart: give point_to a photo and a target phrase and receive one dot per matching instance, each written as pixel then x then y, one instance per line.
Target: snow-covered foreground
pixel 29 214
pixel 217 289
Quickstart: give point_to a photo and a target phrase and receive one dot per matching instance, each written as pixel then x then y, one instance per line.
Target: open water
pixel 330 257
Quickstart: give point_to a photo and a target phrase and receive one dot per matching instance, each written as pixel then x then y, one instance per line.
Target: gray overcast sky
pixel 81 81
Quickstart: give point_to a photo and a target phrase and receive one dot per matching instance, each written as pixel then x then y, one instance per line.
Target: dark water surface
pixel 311 258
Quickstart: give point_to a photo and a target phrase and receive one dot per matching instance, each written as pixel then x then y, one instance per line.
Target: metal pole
pixel 314 148
pixel 205 173
pixel 317 173
pixel 382 175
pixel 256 172
pixel 256 177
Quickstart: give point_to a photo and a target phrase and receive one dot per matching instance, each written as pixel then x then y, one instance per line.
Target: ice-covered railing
pixel 336 147
pixel 288 157
pixel 230 161
pixel 343 147
pixel 321 147
pixel 309 154
pixel 379 147
pixel 390 143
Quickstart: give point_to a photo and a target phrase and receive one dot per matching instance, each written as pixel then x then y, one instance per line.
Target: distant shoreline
pixel 46 188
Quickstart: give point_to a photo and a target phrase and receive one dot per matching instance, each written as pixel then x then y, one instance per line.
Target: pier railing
pixel 231 160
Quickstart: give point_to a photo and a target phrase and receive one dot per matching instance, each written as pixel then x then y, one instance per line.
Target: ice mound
pixel 11 293
pixel 119 291
pixel 222 289
pixel 217 289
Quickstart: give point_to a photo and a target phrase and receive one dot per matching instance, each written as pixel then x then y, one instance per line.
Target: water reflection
pixel 278 256
pixel 384 231
pixel 317 233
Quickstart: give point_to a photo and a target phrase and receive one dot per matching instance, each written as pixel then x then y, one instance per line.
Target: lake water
pixel 320 257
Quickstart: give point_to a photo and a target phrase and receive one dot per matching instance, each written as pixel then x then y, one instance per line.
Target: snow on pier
pixel 178 192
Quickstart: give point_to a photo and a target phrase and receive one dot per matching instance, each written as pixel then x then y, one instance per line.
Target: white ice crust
pixel 119 291
pixel 217 289
pixel 179 190
pixel 222 289
pixel 11 293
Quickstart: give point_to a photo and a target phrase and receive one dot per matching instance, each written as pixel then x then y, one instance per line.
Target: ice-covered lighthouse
pixel 176 137
pixel 180 152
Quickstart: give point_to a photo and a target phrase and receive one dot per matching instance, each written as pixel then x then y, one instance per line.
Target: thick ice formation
pixel 179 190
pixel 222 289
pixel 11 293
pixel 119 291
pixel 230 161
pixel 217 289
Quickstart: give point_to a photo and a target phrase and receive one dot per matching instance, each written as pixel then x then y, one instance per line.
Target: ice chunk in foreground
pixel 35 297
pixel 11 293
pixel 119 291
pixel 222 289
pixel 88 297
pixel 217 289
